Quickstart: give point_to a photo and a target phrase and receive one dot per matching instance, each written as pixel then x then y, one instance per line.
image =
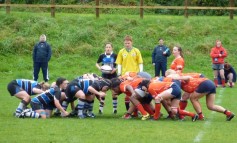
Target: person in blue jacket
pixel 159 58
pixel 230 75
pixel 41 56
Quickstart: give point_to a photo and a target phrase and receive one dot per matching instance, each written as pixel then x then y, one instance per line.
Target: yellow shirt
pixel 129 60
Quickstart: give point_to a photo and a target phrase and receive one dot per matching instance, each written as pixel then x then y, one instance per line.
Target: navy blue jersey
pixel 28 85
pixel 108 60
pixel 47 97
pixel 84 85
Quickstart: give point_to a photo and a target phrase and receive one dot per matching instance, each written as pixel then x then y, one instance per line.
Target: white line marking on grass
pixel 207 124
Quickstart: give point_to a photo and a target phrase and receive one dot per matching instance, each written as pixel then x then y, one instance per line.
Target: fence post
pixel 141 9
pixel 186 9
pixel 232 4
pixel 52 8
pixel 97 10
pixel 8 7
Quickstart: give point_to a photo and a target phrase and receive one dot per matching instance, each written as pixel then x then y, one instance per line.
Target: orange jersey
pixel 191 85
pixel 163 79
pixel 177 64
pixel 193 75
pixel 128 74
pixel 156 88
pixel 134 83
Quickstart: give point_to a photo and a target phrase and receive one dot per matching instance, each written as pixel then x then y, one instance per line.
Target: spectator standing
pixel 218 55
pixel 159 58
pixel 41 56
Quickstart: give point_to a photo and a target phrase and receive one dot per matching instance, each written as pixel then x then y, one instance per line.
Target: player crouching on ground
pixel 43 104
pixel 127 87
pixel 23 89
pixel 85 91
pixel 163 91
pixel 200 87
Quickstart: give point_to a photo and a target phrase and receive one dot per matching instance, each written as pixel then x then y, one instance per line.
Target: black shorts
pixel 206 86
pixel 13 88
pixel 146 99
pixel 71 91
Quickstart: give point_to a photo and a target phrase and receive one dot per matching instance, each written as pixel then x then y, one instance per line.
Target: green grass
pixel 77 40
pixel 111 128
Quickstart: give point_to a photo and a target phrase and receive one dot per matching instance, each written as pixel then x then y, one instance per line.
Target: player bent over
pixel 23 89
pixel 163 91
pixel 43 104
pixel 85 91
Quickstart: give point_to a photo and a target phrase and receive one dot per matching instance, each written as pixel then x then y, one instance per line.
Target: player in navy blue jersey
pixel 85 90
pixel 108 58
pixel 44 103
pixel 23 89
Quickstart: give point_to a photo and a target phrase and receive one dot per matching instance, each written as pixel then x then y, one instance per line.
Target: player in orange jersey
pixel 200 87
pixel 184 99
pixel 127 87
pixel 130 76
pixel 178 63
pixel 163 91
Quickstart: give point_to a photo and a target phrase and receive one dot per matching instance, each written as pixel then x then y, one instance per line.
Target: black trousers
pixel 161 66
pixel 44 67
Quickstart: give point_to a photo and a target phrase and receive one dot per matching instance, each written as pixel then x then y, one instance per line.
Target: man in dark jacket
pixel 41 56
pixel 159 58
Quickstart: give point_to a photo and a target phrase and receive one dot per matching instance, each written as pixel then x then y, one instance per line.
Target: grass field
pixel 196 35
pixel 112 128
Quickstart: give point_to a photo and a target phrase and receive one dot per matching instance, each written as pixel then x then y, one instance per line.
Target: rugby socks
pixel 85 109
pixel 147 107
pixel 216 82
pixel 200 116
pixel 127 101
pixel 185 113
pixel 223 82
pixel 227 113
pixel 90 106
pixel 21 107
pixel 65 105
pixel 115 103
pixel 32 114
pixel 141 109
pixel 81 103
pixel 231 84
pixel 102 102
pixel 183 104
pixel 157 111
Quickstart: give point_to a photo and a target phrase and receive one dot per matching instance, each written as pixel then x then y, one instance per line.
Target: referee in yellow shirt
pixel 129 59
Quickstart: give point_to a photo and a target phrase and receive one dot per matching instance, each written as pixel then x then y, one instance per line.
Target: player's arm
pixel 37 90
pixel 130 89
pixel 93 91
pixel 58 105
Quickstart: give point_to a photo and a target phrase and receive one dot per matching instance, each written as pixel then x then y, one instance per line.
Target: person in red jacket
pixel 218 54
